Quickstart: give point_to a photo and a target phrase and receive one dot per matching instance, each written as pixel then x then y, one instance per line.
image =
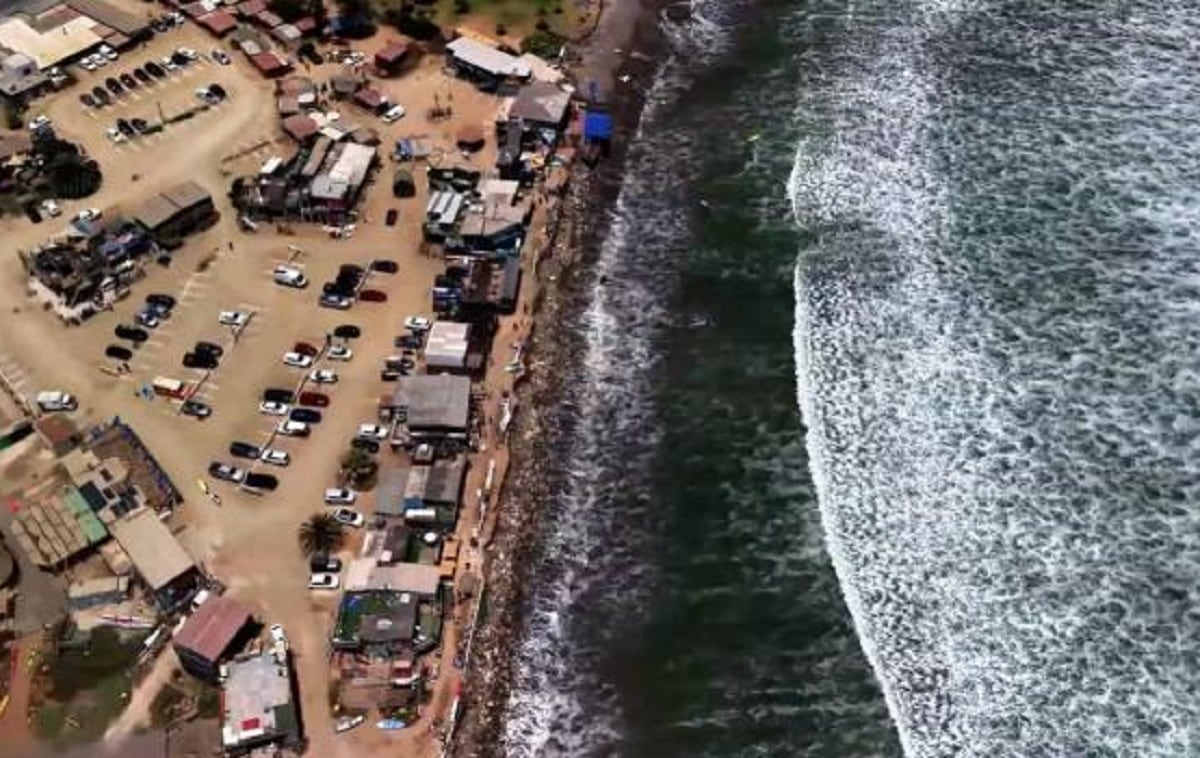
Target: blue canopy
pixel 597 125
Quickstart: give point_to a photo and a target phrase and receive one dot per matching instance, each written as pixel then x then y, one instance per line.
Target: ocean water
pixel 997 358
pixel 685 603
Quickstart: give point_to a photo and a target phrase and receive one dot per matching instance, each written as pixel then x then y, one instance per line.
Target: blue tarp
pixel 597 125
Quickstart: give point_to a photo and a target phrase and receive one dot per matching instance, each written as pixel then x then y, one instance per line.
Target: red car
pixel 305 348
pixel 373 296
pixel 315 399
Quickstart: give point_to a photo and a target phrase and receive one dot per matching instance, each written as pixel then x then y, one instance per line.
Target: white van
pixel 56 401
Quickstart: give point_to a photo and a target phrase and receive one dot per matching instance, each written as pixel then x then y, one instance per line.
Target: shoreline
pixel 564 248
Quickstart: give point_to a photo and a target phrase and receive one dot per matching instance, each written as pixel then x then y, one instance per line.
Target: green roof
pixel 89 523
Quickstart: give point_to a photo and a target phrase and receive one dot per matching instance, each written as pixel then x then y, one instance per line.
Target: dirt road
pixel 137 713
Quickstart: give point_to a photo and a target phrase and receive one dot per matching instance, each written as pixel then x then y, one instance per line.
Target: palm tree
pixel 320 534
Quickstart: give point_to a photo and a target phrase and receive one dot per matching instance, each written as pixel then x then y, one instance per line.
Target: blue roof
pixel 597 125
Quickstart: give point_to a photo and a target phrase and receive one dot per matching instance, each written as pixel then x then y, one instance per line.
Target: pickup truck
pixel 56 401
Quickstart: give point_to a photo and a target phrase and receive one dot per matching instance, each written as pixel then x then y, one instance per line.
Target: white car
pixel 277 635
pixel 51 209
pixel 297 360
pixel 270 408
pixel 340 496
pixel 339 353
pixel 100 61
pixel 108 52
pixel 393 114
pixel 89 63
pixel 233 318
pixel 89 214
pixel 371 432
pixel 115 135
pixel 275 457
pixel 349 517
pixel 189 53
pixel 39 123
pixel 324 581
pixel 288 276
pixel 168 64
pixel 417 323
pixel 323 376
pixel 293 429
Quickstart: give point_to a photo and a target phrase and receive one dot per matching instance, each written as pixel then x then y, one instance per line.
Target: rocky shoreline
pixel 624 43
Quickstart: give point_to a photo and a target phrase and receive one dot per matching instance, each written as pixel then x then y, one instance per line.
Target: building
pixel 56 33
pixel 434 406
pixel 94 592
pixel 495 227
pixel 259 706
pixel 364 574
pixel 157 557
pixel 446 347
pixel 212 634
pixel 438 486
pixel 54 531
pixel 336 188
pixel 176 211
pixel 20 79
pixel 390 60
pixel 484 64
pixel 270 63
pixel 371 99
pixel 218 23
pixel 538 105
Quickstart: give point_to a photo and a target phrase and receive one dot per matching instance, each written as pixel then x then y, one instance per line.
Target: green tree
pixel 320 534
pixel 73 176
pixel 358 467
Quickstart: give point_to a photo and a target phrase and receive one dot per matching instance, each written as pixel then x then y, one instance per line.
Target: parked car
pixel 276 395
pixel 371 432
pixel 118 353
pixel 220 57
pixel 159 299
pixel 267 482
pixel 373 296
pixel 389 375
pixel 339 353
pixel 270 408
pixel 233 318
pixel 349 517
pixel 188 53
pixel 196 409
pixel 114 134
pixel 323 376
pixel 113 85
pixel 140 125
pixel 275 457
pixel 209 348
pixel 141 75
pixel 337 302
pixel 289 276
pixel 323 562
pixel 131 333
pixel 393 114
pixel 179 59
pixel 369 446
pixel 385 266
pixel 147 317
pixel 297 360
pixel 347 332
pixel 339 288
pixel 417 323
pixel 410 341
pixel 314 399
pixel 217 91
pixel 155 70
pixel 87 100
pixel 307 415
pixel 340 496
pixel 390 218
pixel 108 52
pixel 245 450
pixel 206 361
pixel 127 81
pixel 226 472
pixel 323 581
pixel 291 428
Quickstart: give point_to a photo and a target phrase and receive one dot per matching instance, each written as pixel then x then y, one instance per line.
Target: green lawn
pixel 89 685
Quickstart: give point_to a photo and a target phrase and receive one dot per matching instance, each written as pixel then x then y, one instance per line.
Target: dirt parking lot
pixel 248 541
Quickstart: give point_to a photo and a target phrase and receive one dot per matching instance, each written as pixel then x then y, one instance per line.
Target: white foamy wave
pixel 997 361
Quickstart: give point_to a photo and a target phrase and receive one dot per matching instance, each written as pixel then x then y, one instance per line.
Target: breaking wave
pixel 998 363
